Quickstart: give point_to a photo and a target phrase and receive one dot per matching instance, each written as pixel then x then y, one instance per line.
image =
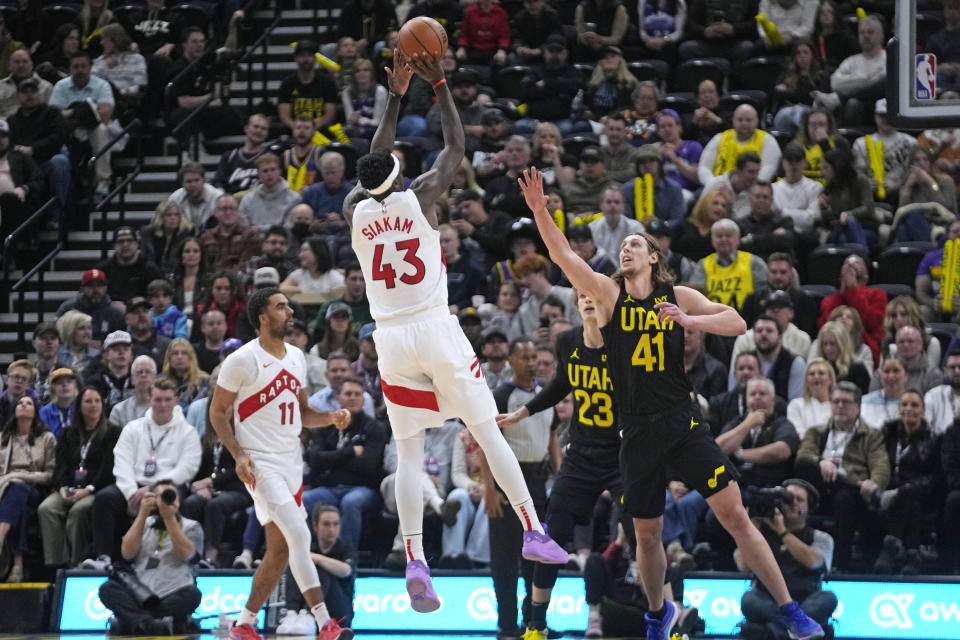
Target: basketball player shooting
pixel 428 370
pixel 261 388
pixel 642 317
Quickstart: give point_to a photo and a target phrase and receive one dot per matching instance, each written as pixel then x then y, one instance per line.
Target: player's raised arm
pixel 597 286
pixel 398 80
pixel 695 311
pixel 311 418
pixel 437 180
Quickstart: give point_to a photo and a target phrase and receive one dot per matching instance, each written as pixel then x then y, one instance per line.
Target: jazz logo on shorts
pixel 926 84
pixel 712 482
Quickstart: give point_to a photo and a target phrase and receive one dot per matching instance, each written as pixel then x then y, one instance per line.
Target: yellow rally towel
pixel 861 14
pixel 643 197
pixel 560 218
pixel 770 32
pixel 950 274
pixel 325 61
pixel 875 160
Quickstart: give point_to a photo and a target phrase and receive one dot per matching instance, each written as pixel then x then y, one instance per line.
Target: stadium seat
pixel 691 73
pixel 823 265
pixel 782 137
pixel 893 289
pixel 682 102
pixel 818 292
pixel 945 332
pixel 411 154
pixel 760 74
pixel 576 144
pixel 57 14
pixel 927 23
pixel 898 263
pixel 732 100
pixel 506 83
pixel 350 157
pixel 195 13
pixel 653 70
pixel 585 68
pixel 851 134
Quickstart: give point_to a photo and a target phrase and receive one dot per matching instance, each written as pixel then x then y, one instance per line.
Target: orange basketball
pixel 422 35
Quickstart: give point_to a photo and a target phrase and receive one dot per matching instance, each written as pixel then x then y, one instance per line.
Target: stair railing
pixel 121 189
pixel 20 287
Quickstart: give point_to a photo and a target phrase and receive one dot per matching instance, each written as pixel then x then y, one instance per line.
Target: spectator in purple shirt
pixel 680 157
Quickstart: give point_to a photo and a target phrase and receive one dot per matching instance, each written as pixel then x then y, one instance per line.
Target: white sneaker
pixel 288 620
pixel 306 624
pixel 594 625
pixel 244 560
pixel 98 564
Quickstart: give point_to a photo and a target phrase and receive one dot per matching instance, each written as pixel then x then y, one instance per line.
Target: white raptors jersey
pixel 400 255
pixel 266 412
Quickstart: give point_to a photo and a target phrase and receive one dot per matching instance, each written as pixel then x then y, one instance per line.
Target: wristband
pixel 439 82
pixel 783 535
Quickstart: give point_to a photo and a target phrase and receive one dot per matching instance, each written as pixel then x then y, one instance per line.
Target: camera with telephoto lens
pixel 146 599
pixel 168 496
pixel 766 501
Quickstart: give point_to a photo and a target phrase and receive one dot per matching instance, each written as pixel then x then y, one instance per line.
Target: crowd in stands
pixel 845 379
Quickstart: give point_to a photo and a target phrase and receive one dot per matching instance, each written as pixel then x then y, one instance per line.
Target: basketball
pixel 422 35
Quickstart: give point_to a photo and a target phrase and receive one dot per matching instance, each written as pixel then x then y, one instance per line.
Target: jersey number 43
pixel 386 272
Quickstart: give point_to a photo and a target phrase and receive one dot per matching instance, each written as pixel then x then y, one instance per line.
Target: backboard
pixel 916 79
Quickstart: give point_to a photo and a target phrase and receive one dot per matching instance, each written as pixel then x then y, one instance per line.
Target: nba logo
pixel 926 86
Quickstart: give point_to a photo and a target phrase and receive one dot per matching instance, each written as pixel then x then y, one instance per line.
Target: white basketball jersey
pixel 267 409
pixel 400 255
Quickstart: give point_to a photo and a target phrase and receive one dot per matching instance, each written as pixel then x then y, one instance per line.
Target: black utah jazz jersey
pixel 583 371
pixel 645 357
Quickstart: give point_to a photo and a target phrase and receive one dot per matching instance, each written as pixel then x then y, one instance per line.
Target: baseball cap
pixel 492 115
pixel 117 338
pixel 647 152
pixel 779 299
pixel 136 302
pixel 266 276
pixel 656 228
pixel 366 331
pixel 555 42
pixel 591 154
pixel 124 233
pixel 490 334
pixel 62 372
pixel 464 76
pixel 28 82
pixel 231 344
pixel 44 328
pixel 92 274
pixel 305 46
pixel 469 314
pixel 338 307
pixel 793 152
pixel 579 232
pixel 881 106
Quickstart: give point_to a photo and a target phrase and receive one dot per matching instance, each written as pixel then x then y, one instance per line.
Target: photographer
pixel 157 594
pixel 803 554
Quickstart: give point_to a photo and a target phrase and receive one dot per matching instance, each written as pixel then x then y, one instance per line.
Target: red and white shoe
pixel 331 631
pixel 244 632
